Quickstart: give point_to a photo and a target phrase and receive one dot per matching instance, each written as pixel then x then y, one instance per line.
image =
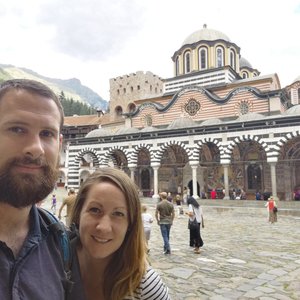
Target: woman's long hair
pixel 126 268
pixel 193 201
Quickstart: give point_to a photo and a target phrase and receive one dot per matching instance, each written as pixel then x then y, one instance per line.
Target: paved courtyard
pixel 243 257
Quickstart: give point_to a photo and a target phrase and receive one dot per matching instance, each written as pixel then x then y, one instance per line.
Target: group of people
pixel 165 214
pixel 109 259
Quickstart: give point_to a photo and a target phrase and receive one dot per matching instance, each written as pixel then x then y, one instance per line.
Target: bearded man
pixel 31 120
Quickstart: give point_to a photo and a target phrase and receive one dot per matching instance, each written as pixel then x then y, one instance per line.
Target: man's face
pixel 29 147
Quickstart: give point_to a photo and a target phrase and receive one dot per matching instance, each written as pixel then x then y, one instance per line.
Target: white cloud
pixel 97 40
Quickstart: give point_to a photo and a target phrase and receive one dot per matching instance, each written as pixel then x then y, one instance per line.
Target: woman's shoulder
pixel 152 287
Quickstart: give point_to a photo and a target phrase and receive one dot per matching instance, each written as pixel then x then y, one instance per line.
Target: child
pixel 147 220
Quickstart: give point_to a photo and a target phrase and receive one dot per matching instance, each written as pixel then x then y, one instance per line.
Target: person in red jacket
pixel 213 194
pixel 272 209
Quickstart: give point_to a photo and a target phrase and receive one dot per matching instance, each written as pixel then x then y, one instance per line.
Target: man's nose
pixel 34 147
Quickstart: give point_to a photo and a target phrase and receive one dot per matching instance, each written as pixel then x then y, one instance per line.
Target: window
pixel 118 110
pixel 192 107
pixel 187 63
pixel 177 66
pixel 220 57
pixel 244 108
pixel 202 58
pixel 245 75
pixel 148 120
pixel 299 95
pixel 232 59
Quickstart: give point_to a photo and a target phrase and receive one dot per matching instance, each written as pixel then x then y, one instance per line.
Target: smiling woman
pixel 109 247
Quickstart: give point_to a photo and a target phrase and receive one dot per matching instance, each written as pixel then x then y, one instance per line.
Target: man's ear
pixel 60 140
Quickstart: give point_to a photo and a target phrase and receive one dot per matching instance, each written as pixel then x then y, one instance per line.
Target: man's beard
pixel 20 190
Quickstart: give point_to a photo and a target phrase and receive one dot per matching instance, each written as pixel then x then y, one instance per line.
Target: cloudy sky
pixel 95 40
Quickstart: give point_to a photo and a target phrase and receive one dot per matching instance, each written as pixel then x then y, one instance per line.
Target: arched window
pixel 232 59
pixel 220 57
pixel 131 107
pixel 118 110
pixel 202 54
pixel 187 62
pixel 245 75
pixel 177 66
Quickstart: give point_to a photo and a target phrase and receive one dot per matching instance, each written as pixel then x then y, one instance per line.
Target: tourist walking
pixel 272 210
pixel 147 221
pixel 164 215
pixel 69 202
pixel 195 215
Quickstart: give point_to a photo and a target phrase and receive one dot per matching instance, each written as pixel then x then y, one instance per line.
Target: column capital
pixel 155 165
pixel 225 161
pixel 132 166
pixel 194 164
pixel 272 160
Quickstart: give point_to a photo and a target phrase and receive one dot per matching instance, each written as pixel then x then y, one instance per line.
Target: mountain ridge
pixel 72 87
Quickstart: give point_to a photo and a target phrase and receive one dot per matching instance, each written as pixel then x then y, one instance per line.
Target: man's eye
pixel 17 129
pixel 47 133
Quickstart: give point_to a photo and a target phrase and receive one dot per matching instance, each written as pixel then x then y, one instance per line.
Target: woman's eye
pixel 94 210
pixel 119 214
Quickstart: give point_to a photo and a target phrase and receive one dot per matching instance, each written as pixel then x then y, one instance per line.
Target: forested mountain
pixel 72 89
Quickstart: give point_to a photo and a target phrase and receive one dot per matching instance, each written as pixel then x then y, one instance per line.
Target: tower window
pixel 220 57
pixel 187 62
pixel 202 58
pixel 177 66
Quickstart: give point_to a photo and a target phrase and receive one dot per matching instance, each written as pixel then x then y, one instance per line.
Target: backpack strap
pixel 61 234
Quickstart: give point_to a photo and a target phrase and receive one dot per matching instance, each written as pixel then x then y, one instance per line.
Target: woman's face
pixel 103 220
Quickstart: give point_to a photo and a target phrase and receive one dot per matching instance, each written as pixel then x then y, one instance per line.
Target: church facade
pixel 217 124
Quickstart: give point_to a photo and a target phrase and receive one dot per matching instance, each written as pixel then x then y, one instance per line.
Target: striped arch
pixel 133 159
pixel 94 154
pixel 196 156
pixel 160 152
pixel 108 155
pixel 283 140
pixel 244 138
pixel 74 165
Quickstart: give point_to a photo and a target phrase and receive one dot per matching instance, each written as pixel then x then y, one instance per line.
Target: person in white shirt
pixel 147 220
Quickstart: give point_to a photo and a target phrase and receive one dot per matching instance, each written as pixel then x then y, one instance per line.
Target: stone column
pixel 225 163
pixel 132 169
pixel 194 167
pixel 155 167
pixel 272 162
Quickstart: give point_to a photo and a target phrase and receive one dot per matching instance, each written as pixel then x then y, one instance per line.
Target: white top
pixel 197 211
pixel 147 220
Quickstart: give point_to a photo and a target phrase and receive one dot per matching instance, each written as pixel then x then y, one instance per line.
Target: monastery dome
pixel 181 122
pixel 98 133
pixel 245 63
pixel 212 121
pixel 250 117
pixel 205 34
pixel 294 110
pixel 127 130
pixel 297 79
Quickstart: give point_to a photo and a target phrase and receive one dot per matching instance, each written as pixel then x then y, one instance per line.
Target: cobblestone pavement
pixel 243 257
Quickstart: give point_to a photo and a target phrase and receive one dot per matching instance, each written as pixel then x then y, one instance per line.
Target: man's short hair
pixel 163 195
pixel 35 87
